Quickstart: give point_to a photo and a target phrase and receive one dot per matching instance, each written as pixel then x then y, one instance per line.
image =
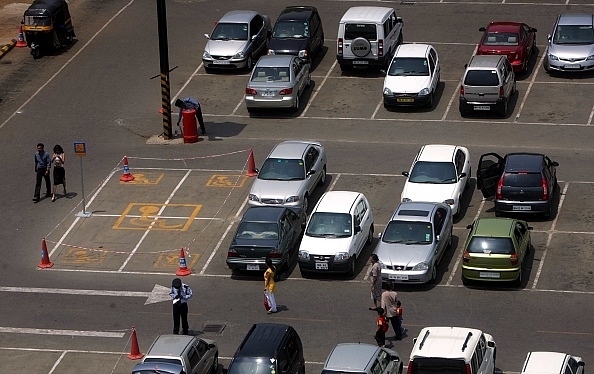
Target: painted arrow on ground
pixel 158 294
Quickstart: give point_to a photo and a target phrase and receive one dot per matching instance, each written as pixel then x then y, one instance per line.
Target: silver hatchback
pixel 360 358
pixel 571 45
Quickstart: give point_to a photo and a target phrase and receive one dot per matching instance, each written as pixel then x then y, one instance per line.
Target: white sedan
pixel 552 363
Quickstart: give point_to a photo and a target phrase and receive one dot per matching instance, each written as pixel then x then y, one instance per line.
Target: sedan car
pixel 413 76
pixel 552 363
pixel 265 232
pixel 571 45
pixel 289 175
pixel 277 81
pixel 516 40
pixel 361 358
pixel 496 250
pixel 439 173
pixel 415 239
pixel 298 31
pixel 237 40
pixel 519 182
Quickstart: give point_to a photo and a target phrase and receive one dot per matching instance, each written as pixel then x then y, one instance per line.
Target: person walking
pixel 270 286
pixel 375 274
pixel 390 306
pixel 43 165
pixel 180 293
pixel 382 327
pixel 58 159
pixel 191 103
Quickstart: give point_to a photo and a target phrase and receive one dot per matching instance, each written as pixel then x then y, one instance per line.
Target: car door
pixel 440 230
pixel 311 162
pixel 206 360
pixel 488 173
pixel 522 234
pixel 194 360
pixel 435 68
pixel 297 67
pixel 360 219
pixel 509 78
pixel 460 161
pixel 296 225
pixel 257 34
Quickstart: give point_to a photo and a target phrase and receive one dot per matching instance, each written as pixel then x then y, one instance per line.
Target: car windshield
pixel 433 172
pixel 360 30
pixel 280 169
pixel 291 29
pixel 481 78
pixel 403 66
pixel 490 245
pixel 501 38
pixel 275 74
pixel 252 365
pixel 257 230
pixel 574 34
pixel 408 232
pixel 37 21
pixel 230 31
pixel 330 225
pixel 522 179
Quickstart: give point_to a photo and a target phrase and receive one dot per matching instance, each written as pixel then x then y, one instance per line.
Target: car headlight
pixel 424 91
pixel 406 200
pixel 590 58
pixel 206 55
pixel 239 55
pixel 552 57
pixel 270 52
pixel 341 256
pixel 304 255
pixel 303 53
pixel 292 199
pixel 387 91
pixel 421 266
pixel 252 197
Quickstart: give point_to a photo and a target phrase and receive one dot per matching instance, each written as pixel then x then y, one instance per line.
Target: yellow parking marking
pixel 77 256
pixel 226 181
pixel 150 220
pixel 171 261
pixel 146 178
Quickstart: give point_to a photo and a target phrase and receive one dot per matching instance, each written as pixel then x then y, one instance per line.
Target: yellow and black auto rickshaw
pixel 47 25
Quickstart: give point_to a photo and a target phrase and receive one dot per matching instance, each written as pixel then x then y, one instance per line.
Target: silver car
pixel 289 175
pixel 277 81
pixel 571 46
pixel 360 358
pixel 414 242
pixel 237 40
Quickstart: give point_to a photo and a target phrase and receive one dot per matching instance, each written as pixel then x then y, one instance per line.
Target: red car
pixel 516 40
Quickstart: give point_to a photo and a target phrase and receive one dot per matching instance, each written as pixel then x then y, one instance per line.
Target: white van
pixel 340 225
pixel 452 350
pixel 368 37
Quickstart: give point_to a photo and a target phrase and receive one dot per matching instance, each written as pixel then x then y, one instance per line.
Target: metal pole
pixel 84 212
pixel 164 66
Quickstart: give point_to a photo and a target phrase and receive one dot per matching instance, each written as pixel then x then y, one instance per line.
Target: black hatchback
pixel 298 31
pixel 519 182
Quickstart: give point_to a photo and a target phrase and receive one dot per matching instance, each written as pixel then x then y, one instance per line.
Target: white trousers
pixel 271 301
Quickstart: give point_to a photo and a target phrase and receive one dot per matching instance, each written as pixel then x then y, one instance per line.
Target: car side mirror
pixel 465 66
pixel 462 175
pixel 533 30
pixel 581 363
pixel 311 172
pixel 405 173
pixel 383 71
pixel 549 37
pixel 437 238
pixel 530 228
pixel 555 163
pixel 399 20
pixel 395 358
pixel 357 229
pixel 469 227
pixel 491 344
pixel 257 170
pixel 207 36
pixel 253 37
pixel 482 29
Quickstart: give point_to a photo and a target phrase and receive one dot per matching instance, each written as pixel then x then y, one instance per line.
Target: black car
pixel 265 232
pixel 520 182
pixel 298 31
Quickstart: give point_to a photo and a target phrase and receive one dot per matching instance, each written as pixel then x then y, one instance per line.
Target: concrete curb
pixel 4 50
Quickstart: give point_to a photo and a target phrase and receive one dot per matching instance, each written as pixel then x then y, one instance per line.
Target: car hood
pixel 402 254
pixel 428 192
pixel 406 84
pixel 325 246
pixel 270 189
pixel 225 47
pixel 287 44
pixel 568 51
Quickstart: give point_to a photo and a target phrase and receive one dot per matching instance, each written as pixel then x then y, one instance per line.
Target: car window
pixel 376 368
pixel 193 357
pixel 257 230
pixel 433 172
pixel 408 232
pixel 502 38
pixel 460 159
pixel 573 365
pixel 431 64
pixel 322 224
pixel 409 66
pixel 202 348
pixel 439 220
pixel 481 78
pixel 433 54
pixel 256 24
pixel 270 74
pixel 522 179
pixel 383 358
pixel 252 365
pixel 436 365
pixel 568 370
pixel 360 30
pixel 282 169
pixel 230 31
pixel 490 245
pixel 311 158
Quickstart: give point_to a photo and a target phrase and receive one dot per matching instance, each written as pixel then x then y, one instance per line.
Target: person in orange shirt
pixel 382 327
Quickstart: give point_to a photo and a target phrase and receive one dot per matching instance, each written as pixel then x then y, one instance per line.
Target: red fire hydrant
pixel 190 126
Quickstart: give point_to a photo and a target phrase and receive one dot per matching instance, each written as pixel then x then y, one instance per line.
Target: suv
pixel 360 358
pixel 340 225
pixel 367 37
pixel 520 182
pixel 298 31
pixel 571 46
pixel 488 84
pixel 552 363
pixel 269 348
pixel 452 350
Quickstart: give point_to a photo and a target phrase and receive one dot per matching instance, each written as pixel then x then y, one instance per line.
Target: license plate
pixel 398 277
pixel 488 274
pixel 221 62
pixel 253 267
pixel 482 107
pixel 360 62
pixel 521 207
pixel 321 266
pixel 572 66
pixel 405 100
pixel 267 94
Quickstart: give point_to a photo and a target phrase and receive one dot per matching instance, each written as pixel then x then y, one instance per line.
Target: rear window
pixel 481 78
pixel 437 366
pixel 489 245
pixel 522 179
pixel 360 30
pixel 251 365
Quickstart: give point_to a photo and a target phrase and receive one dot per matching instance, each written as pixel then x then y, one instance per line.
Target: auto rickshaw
pixel 47 25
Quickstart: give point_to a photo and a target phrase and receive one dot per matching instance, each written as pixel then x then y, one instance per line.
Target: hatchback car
pixel 413 76
pixel 519 182
pixel 277 82
pixel 237 40
pixel 340 225
pixel 361 358
pixel 439 173
pixel 178 354
pixel 265 232
pixel 289 175
pixel 298 31
pixel 495 250
pixel 516 40
pixel 552 363
pixel 571 44
pixel 414 241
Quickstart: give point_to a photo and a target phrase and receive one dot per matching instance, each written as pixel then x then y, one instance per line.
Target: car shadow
pixel 532 64
pixel 466 200
pixel 317 59
pixel 439 91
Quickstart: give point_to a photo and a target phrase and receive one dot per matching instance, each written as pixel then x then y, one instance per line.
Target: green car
pixel 495 250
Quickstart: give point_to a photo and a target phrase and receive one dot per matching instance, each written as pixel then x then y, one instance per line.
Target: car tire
pixel 69 37
pixel 215 364
pixel 249 63
pixel 308 82
pixel 345 68
pixel 400 38
pixel 322 180
pixel 503 109
pixel 497 213
pixel 518 282
pixel 430 102
pixel 305 204
pixel 463 110
pixel 433 274
pixel 36 52
pixel 296 104
pixel 449 246
pixel 352 266
pixel 370 235
pixel 545 65
pixel 467 184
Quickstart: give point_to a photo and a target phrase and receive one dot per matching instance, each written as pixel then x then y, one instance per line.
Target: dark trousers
pixel 180 310
pixel 380 337
pixel 48 187
pixel 200 120
pixel 395 322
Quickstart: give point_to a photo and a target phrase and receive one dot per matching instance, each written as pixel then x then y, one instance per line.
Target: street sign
pixel 80 149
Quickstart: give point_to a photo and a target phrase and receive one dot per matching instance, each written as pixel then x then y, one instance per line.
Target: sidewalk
pixel 11 15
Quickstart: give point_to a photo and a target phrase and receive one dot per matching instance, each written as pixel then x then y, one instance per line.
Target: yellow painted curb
pixel 4 50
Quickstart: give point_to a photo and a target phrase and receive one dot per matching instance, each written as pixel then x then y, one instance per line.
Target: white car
pixel 340 225
pixel 440 174
pixel 552 363
pixel 413 76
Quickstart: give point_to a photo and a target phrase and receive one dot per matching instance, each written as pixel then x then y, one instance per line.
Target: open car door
pixel 488 173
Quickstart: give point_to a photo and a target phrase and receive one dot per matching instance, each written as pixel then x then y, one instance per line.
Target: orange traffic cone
pixel 134 350
pixel 21 40
pixel 183 268
pixel 126 177
pixel 45 261
pixel 251 171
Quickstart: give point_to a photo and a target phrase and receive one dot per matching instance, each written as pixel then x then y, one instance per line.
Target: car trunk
pixel 522 187
pixel 494 261
pixel 481 86
pixel 252 251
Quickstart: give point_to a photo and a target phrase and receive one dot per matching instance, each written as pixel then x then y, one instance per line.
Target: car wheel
pixel 430 102
pixel 215 364
pixel 497 213
pixel 370 235
pixel 466 185
pixel 463 110
pixel 449 246
pixel 400 38
pixel 352 266
pixel 465 281
pixel 69 37
pixel 433 274
pixel 503 109
pixel 36 52
pixel 296 104
pixel 248 63
pixel 547 214
pixel 545 65
pixel 518 282
pixel 305 204
pixel 308 82
pixel 322 180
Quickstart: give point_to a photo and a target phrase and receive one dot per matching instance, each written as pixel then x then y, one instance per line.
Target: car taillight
pixel 380 47
pixel 545 190
pixel 501 92
pixel 466 257
pixel 410 368
pixel 232 253
pixel 340 46
pixel 513 259
pixel 499 195
pixel 250 91
pixel 274 254
pixel 285 91
pixel 468 369
pixel 462 90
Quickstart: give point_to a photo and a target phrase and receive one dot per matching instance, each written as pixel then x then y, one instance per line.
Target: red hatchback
pixel 516 40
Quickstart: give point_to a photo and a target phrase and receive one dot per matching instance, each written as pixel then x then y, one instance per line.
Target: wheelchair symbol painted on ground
pixel 145 216
pixel 226 181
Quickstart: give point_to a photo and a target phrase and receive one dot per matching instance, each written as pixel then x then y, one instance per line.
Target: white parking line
pixel 529 87
pixel 317 90
pixel 456 91
pixel 97 334
pixel 591 115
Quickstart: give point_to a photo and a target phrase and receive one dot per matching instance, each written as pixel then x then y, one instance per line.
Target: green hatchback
pixel 495 250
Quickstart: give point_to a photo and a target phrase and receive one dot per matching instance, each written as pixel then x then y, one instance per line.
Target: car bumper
pixel 530 207
pixel 422 276
pixel 566 66
pixel 255 264
pixel 406 100
pixel 479 106
pixel 326 266
pixel 297 205
pixel 491 275
pixel 363 62
pixel 224 64
pixel 285 102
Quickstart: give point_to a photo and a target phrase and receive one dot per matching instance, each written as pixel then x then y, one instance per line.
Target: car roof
pixel 523 162
pixel 485 61
pixel 296 13
pixel 365 13
pixel 264 213
pixel 337 201
pixel 437 152
pixel 445 342
pixel 494 227
pixel 412 50
pixel 544 362
pixel 262 340
pixel 504 26
pixel 169 345
pixel 291 149
pixel 415 211
pixel 351 357
pixel 238 16
pixel 270 61
pixel 576 19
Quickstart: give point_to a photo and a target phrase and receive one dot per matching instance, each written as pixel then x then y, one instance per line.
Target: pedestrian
pixel 58 159
pixel 43 164
pixel 376 282
pixel 390 305
pixel 382 327
pixel 191 103
pixel 269 286
pixel 180 293
pixel 399 312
